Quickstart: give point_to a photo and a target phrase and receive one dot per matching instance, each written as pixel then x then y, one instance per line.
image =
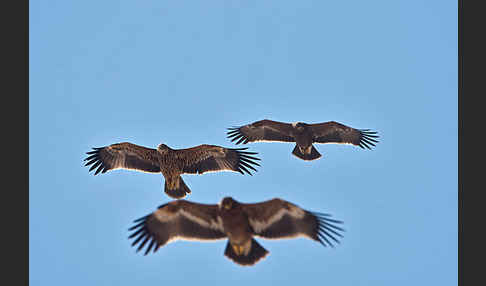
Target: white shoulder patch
pixel 165 216
pixel 260 225
pixel 214 224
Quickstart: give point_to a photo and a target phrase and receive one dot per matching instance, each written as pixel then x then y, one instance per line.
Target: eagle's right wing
pixel 123 156
pixel 263 130
pixel 178 219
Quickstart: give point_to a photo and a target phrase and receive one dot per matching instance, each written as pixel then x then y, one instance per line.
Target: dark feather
pixel 277 219
pixel 334 132
pixel 125 156
pixel 176 223
pixel 263 130
pixel 215 158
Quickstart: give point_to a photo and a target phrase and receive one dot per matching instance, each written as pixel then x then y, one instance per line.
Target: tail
pixel 308 157
pixel 176 188
pixel 255 253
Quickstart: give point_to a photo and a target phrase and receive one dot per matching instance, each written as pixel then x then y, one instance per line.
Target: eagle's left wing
pixel 334 132
pixel 276 219
pixel 211 158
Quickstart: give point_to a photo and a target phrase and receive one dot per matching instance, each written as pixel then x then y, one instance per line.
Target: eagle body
pixel 171 167
pixel 236 225
pixel 303 134
pixel 171 163
pixel 304 138
pixel 240 223
pixel 237 228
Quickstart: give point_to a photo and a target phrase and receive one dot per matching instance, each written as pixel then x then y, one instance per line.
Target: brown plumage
pixel 171 162
pixel 303 135
pixel 239 222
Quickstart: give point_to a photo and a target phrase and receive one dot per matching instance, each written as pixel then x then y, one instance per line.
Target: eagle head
pixel 227 203
pixel 300 126
pixel 162 148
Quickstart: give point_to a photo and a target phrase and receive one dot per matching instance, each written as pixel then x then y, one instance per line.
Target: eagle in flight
pixel 171 162
pixel 303 134
pixel 238 222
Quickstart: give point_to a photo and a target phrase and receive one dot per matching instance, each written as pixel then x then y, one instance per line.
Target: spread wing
pixel 276 219
pixel 177 220
pixel 123 156
pixel 263 130
pixel 211 158
pixel 334 132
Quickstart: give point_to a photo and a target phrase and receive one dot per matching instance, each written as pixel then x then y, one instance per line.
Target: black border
pixel 470 117
pixel 460 142
pixel 15 143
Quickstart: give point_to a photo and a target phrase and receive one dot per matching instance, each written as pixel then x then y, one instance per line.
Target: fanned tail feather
pixel 256 253
pixel 177 193
pixel 314 154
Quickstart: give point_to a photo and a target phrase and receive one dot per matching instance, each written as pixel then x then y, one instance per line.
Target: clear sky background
pixel 181 72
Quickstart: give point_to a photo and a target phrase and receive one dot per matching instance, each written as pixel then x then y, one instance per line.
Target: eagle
pixel 171 162
pixel 303 135
pixel 238 222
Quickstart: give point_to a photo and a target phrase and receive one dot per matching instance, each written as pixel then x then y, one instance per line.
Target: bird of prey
pixel 239 222
pixel 171 162
pixel 303 135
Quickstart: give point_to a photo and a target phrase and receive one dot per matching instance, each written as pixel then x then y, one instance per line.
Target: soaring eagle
pixel 171 162
pixel 239 222
pixel 303 135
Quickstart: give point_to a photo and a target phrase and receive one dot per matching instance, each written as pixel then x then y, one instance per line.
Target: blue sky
pixel 181 72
